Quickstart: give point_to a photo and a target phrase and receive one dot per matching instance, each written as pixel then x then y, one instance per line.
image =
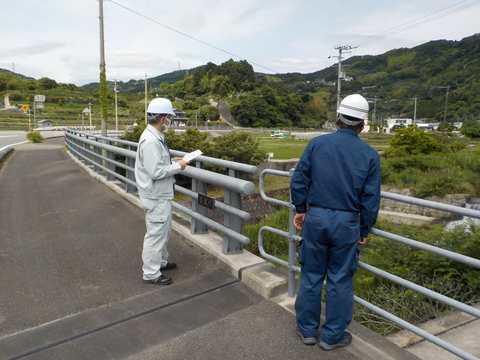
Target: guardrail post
pixel 234 199
pixel 130 175
pixel 98 160
pixel 196 226
pixel 77 140
pixel 111 166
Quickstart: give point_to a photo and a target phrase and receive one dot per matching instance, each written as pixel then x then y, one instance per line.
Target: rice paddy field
pixel 289 148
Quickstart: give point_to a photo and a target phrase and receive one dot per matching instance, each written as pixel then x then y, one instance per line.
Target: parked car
pixel 276 133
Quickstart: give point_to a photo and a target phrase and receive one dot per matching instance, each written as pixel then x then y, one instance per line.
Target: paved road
pixel 71 282
pixel 15 138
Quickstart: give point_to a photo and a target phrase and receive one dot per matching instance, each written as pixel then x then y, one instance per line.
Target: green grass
pixel 284 153
pixel 285 149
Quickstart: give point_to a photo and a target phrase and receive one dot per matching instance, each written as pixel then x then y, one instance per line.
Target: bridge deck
pixel 71 282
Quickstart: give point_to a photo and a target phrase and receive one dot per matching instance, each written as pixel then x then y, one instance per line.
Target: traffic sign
pixel 25 108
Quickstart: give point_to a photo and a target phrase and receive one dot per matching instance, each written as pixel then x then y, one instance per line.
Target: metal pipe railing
pixel 390 277
pixel 92 149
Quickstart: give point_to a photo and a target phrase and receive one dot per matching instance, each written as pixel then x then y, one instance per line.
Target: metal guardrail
pixel 293 268
pixel 100 152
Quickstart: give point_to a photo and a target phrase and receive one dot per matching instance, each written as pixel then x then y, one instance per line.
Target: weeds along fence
pixel 100 152
pixel 293 268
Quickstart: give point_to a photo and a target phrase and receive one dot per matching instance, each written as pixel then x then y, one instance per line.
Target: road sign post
pixel 37 104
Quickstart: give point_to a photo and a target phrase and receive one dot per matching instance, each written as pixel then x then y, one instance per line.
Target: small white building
pixel 45 125
pixel 391 122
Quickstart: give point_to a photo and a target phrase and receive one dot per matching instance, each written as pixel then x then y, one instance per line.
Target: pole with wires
pixel 445 114
pixel 341 75
pixel 103 74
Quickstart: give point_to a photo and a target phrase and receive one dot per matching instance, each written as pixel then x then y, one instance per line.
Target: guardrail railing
pixel 293 268
pixel 99 152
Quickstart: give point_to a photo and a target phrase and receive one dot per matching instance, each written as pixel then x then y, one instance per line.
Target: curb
pixel 4 154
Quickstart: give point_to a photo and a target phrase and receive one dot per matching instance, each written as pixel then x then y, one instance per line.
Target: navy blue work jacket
pixel 339 171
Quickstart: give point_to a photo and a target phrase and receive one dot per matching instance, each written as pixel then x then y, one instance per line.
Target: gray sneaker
pixel 347 340
pixel 306 340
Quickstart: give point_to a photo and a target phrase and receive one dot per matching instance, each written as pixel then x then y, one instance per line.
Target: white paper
pixel 192 155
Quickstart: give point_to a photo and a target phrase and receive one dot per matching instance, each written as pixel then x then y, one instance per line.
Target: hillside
pixel 436 74
pixel 136 86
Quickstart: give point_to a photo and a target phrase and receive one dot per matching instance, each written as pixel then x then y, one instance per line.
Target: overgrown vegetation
pixel 237 146
pixel 418 160
pixel 447 277
pixel 34 136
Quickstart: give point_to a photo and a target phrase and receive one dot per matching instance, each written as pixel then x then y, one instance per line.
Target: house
pixel 428 126
pixel 45 125
pixel 391 122
pixel 179 119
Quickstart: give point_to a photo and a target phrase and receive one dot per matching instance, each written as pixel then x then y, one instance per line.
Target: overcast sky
pixel 60 39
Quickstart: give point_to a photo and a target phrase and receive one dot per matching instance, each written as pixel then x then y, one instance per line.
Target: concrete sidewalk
pixel 71 281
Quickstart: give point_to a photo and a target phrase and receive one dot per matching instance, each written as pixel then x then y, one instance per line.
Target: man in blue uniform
pixel 336 192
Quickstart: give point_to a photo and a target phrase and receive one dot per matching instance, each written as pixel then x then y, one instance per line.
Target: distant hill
pixel 432 73
pixel 16 74
pixel 135 86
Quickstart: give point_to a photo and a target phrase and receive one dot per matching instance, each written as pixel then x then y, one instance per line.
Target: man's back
pixel 339 171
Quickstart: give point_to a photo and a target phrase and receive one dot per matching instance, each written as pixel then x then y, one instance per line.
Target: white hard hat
pixel 355 106
pixel 160 106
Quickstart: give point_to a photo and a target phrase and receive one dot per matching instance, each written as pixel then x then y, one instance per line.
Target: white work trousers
pixel 158 217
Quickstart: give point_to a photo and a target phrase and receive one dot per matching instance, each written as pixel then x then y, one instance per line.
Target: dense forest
pixel 436 75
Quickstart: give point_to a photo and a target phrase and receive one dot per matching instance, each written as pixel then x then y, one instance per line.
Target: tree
pixel 221 85
pixel 413 141
pixel 471 128
pixel 252 111
pixel 188 141
pixel 46 83
pixel 239 147
pixel 209 112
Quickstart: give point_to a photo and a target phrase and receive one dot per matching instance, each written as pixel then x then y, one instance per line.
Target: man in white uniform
pixel 154 170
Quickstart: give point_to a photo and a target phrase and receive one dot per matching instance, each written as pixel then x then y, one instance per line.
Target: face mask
pixel 165 126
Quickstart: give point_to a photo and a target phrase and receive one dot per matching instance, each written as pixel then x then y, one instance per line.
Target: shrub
pixel 34 136
pixel 445 276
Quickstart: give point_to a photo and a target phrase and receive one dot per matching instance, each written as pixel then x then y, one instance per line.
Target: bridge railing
pixel 100 152
pixel 293 268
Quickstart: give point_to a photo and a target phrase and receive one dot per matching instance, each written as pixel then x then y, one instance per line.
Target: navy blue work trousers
pixel 329 250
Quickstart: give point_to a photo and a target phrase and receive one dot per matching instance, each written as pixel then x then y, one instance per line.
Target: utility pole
pixel 374 120
pixel 445 114
pixel 414 111
pixel 116 112
pixel 146 99
pixel 103 74
pixel 340 49
pixel 374 115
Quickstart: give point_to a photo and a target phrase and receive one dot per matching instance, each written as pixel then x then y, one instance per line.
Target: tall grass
pixel 434 174
pixel 273 244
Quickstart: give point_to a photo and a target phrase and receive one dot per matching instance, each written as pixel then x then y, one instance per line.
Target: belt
pixel 317 206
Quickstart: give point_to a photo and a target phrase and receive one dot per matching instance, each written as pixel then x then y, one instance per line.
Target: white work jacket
pixel 154 169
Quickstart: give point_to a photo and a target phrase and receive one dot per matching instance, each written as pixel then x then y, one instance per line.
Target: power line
pixel 302 63
pixel 415 23
pixel 190 37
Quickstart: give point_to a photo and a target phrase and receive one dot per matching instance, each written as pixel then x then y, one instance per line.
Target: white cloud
pixel 60 39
